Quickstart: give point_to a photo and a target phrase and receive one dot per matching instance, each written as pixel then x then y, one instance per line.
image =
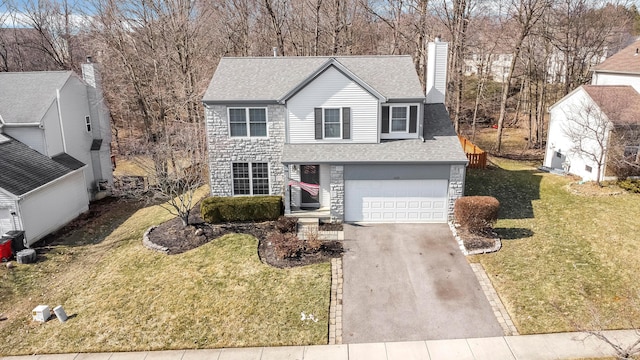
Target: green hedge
pixel 244 208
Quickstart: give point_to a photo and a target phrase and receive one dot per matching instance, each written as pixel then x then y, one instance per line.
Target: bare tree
pixel 526 13
pixel 56 22
pixel 173 185
pixel 587 128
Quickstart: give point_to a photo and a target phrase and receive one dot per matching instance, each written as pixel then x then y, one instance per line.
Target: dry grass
pixel 123 297
pixel 514 143
pixel 568 261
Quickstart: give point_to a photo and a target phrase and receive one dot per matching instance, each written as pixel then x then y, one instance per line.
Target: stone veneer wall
pixel 456 186
pixel 337 193
pixel 223 149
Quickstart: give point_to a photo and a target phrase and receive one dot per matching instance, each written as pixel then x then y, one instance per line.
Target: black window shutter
pixel 385 119
pixel 346 123
pixel 413 119
pixel 318 121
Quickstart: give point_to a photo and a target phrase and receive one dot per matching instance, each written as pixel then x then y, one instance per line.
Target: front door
pixel 310 174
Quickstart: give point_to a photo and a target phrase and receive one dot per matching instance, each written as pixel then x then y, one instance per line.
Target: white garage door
pixel 410 201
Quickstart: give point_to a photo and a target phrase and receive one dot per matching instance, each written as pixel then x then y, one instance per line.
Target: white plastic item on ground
pixel 60 314
pixel 41 313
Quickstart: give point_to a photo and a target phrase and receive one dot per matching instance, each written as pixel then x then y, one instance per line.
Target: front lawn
pixel 568 261
pixel 124 297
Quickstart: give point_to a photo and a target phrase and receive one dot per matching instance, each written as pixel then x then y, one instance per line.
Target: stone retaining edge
pixel 150 244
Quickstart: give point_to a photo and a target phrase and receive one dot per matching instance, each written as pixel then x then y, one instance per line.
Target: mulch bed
pixel 178 239
pixel 474 241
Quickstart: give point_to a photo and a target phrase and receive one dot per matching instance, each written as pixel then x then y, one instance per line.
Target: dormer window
pixel 87 123
pixel 399 119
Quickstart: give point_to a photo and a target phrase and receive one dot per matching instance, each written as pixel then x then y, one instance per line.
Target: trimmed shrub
pixel 285 245
pixel 477 214
pixel 243 208
pixel 287 224
pixel 630 185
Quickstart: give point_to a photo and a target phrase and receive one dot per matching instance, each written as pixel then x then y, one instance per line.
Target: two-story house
pixel 54 115
pixel 354 136
pixel 597 126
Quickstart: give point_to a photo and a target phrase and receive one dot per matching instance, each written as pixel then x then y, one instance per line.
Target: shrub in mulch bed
pixel 477 214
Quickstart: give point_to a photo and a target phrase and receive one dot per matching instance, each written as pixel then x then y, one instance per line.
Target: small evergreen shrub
pixel 287 224
pixel 285 245
pixel 630 185
pixel 476 213
pixel 245 208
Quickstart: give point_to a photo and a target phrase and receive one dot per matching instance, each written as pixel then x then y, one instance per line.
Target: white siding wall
pixel 559 142
pixel 325 182
pixel 294 174
pixel 8 222
pixel 53 206
pixel 52 131
pixel 617 79
pixel 333 89
pixel 75 106
pixel 31 136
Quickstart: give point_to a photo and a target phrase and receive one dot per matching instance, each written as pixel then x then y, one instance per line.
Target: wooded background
pixel 157 56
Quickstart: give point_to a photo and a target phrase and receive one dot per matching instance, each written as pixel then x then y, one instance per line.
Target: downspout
pixel 64 141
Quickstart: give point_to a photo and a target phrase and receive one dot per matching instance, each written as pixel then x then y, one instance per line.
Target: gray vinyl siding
pixel 396 172
pixel 332 89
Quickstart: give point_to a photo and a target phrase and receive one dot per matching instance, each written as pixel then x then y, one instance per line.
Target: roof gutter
pixel 20 124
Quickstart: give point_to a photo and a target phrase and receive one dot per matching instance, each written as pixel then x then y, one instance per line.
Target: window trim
pixel 406 119
pixel 250 168
pixel 340 122
pixel 247 114
pixel 87 123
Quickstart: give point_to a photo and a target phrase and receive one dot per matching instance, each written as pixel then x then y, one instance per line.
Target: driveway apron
pixel 410 282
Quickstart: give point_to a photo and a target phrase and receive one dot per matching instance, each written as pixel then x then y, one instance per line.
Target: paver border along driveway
pixel 410 282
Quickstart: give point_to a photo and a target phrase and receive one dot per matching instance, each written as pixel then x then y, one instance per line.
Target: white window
pixel 87 123
pixel 399 118
pixel 248 122
pixel 250 178
pixel 332 124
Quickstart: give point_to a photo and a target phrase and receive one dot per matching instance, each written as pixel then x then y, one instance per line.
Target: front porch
pixel 310 192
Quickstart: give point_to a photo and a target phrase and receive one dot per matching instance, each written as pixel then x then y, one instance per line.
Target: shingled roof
pixel 626 60
pixel 621 103
pixel 24 169
pixel 26 96
pixel 269 79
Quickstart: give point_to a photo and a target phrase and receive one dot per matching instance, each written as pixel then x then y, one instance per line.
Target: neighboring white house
pixel 611 105
pixel 496 65
pixel 55 136
pixel 55 112
pixel 352 136
pixel 38 194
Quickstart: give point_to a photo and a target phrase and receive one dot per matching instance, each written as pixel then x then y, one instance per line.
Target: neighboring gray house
pixel 353 137
pixel 55 136
pixel 38 194
pixel 55 112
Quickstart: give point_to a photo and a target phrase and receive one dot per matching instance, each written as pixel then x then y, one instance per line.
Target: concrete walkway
pixel 526 347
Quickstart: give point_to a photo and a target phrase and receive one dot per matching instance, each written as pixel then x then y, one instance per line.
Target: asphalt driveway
pixel 410 282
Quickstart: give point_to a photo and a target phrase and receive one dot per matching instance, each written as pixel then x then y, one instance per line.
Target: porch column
pixel 287 192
